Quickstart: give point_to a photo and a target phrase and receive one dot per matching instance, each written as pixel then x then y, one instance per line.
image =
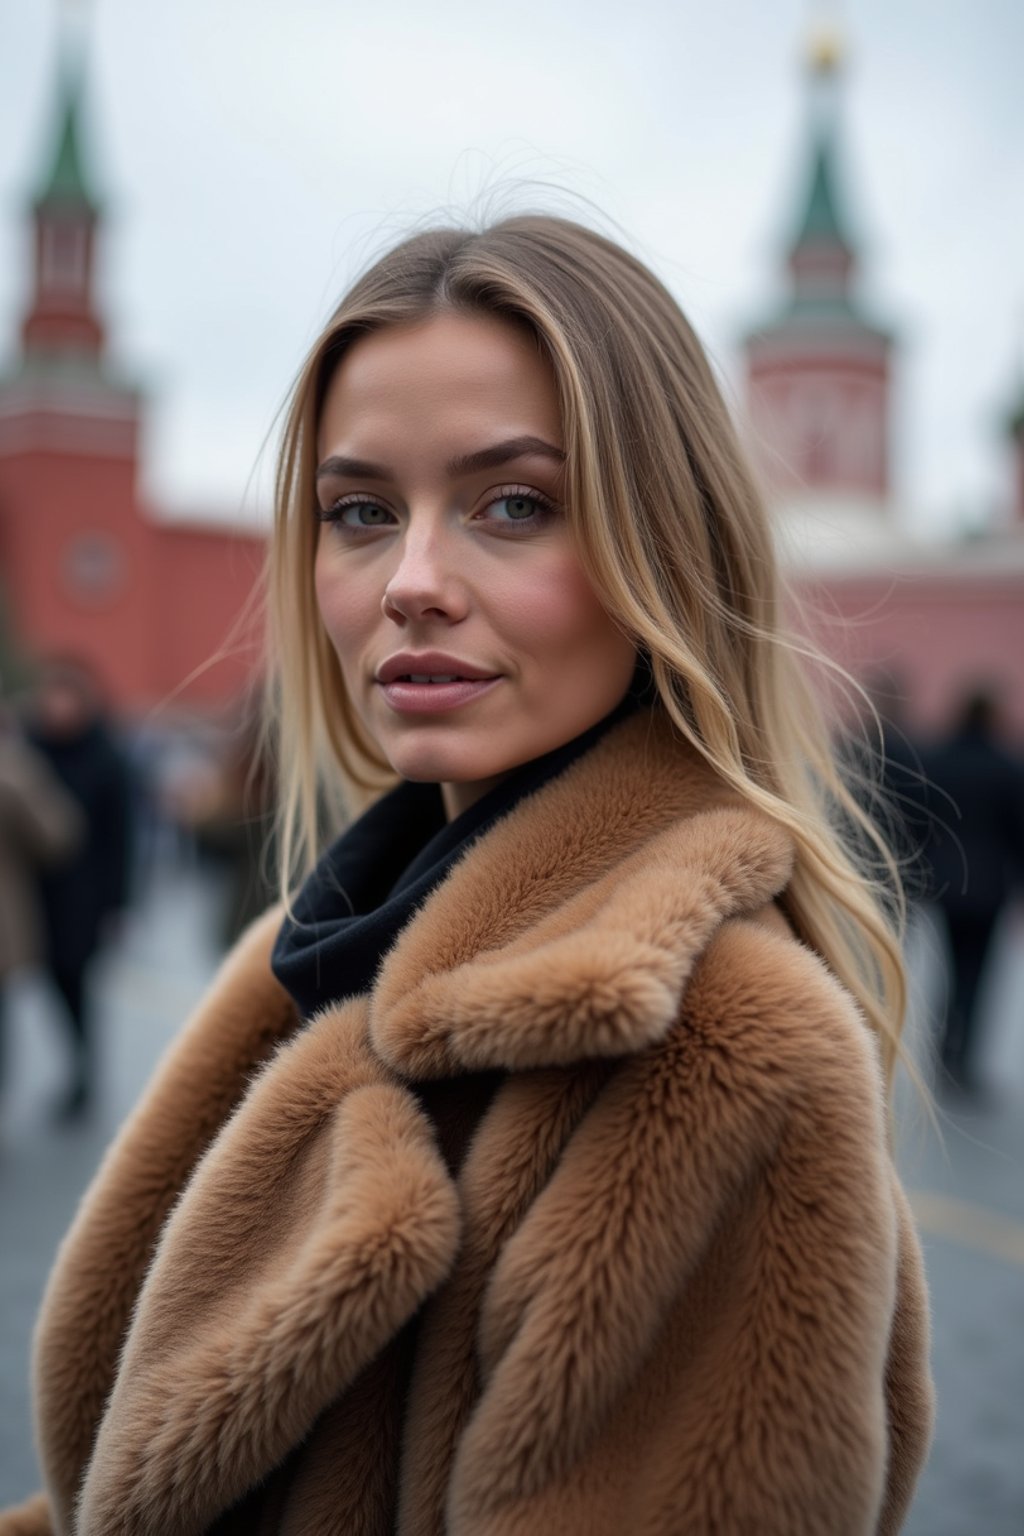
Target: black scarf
pixel 374 877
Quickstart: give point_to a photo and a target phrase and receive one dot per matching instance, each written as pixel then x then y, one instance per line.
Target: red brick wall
pixel 939 633
pixel 206 576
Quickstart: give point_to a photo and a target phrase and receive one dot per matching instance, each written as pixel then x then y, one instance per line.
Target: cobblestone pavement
pixel 966 1184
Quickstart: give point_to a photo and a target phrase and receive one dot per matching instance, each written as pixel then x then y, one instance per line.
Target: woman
pixel 530 1172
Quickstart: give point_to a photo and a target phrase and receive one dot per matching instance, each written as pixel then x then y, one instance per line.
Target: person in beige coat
pixel 39 825
pixel 528 1170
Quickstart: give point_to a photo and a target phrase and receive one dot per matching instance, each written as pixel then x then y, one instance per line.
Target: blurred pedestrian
pixel 976 858
pixel 39 825
pixel 884 765
pixel 81 897
pixel 229 810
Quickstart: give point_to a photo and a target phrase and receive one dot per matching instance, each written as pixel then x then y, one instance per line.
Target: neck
pixel 459 797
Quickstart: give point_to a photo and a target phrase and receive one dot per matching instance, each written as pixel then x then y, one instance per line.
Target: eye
pixel 356 513
pixel 516 506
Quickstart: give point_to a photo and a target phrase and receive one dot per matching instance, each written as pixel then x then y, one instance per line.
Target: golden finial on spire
pixel 825 48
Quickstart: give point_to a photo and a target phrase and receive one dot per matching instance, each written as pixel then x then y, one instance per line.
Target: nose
pixel 425 583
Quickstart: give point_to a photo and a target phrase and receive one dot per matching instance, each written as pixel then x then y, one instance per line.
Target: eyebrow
pixel 462 464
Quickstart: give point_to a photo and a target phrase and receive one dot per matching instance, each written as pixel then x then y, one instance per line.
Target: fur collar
pixel 570 930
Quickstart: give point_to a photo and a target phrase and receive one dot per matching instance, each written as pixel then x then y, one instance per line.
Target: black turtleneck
pixel 374 877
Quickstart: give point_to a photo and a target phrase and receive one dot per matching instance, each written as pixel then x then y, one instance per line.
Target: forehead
pixel 467 373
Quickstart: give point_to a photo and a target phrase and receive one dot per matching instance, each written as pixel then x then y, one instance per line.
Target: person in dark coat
pixel 976 859
pixel 82 896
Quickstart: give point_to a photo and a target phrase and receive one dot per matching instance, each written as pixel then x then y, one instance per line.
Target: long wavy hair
pixel 675 537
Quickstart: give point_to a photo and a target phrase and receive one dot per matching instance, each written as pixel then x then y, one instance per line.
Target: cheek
pixel 346 609
pixel 558 613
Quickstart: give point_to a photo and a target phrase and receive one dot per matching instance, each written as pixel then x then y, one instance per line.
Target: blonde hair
pixel 676 540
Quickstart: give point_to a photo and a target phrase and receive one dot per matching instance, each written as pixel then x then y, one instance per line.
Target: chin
pixel 423 763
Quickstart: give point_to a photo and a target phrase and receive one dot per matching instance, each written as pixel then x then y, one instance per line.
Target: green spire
pixel 67 183
pixel 821 220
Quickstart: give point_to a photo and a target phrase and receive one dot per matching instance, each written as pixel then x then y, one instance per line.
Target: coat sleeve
pixel 103 1259
pixel 713 1319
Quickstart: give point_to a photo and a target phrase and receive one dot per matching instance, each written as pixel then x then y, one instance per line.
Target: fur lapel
pixel 318 1224
pixel 689 1176
pixel 570 930
pixel 516 1151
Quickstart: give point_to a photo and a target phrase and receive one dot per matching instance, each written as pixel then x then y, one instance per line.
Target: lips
pixel 430 668
pixel 406 697
pixel 414 677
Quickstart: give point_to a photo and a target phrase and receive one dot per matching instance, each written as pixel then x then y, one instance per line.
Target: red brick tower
pixel 818 370
pixel 83 570
pixel 74 552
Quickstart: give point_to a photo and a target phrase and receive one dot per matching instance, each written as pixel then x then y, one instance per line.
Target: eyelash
pixel 332 515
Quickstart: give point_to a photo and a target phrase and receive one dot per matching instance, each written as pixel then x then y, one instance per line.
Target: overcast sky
pixel 254 155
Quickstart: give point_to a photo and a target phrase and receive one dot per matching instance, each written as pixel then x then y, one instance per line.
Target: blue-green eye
pixel 356 514
pixel 367 514
pixel 518 507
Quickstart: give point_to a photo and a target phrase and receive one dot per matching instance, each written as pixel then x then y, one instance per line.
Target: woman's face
pixel 468 634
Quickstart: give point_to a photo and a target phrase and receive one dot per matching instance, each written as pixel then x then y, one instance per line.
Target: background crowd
pixel 91 813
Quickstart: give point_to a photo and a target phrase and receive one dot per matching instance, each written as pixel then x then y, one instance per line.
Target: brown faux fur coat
pixel 667 1284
